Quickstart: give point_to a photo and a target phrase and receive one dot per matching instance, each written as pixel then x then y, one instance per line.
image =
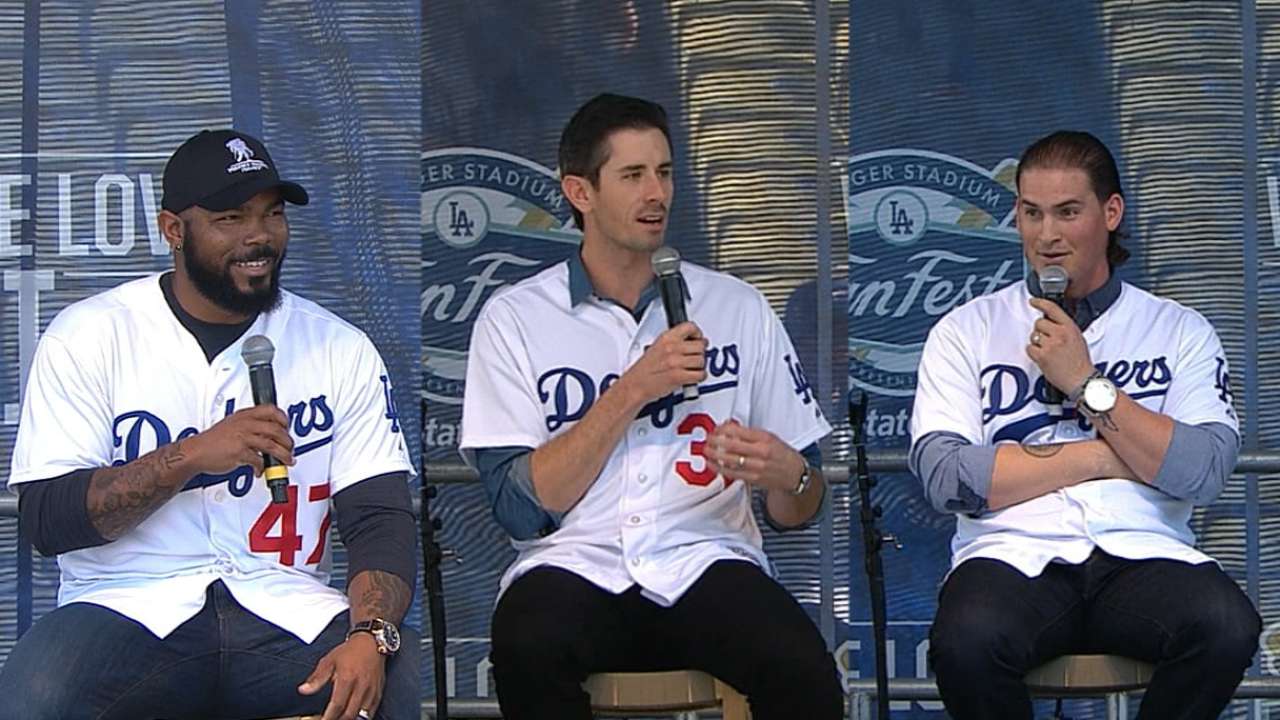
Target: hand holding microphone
pixel 1053 282
pixel 666 266
pixel 258 353
pixel 1056 345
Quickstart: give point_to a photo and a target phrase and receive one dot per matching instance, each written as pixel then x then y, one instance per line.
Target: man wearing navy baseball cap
pixel 220 170
pixel 185 591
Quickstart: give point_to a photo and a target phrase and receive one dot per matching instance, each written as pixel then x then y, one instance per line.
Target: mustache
pixel 261 252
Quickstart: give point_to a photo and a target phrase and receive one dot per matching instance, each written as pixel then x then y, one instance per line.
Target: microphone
pixel 257 353
pixel 1053 283
pixel 666 265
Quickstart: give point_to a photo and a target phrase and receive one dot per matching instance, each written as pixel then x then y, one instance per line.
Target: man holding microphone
pixel 1072 525
pixel 629 495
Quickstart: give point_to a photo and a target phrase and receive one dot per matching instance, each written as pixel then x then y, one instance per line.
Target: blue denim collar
pixel 580 288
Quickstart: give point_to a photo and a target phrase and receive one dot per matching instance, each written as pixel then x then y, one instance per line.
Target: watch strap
pixel 806 478
pixel 1074 395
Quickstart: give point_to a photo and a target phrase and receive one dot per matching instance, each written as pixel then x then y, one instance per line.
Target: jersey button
pixel 643 477
pixel 635 520
pixel 220 496
pixel 635 562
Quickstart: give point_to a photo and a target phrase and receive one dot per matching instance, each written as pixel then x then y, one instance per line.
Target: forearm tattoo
pixel 378 594
pixel 123 496
pixel 1104 420
pixel 1043 451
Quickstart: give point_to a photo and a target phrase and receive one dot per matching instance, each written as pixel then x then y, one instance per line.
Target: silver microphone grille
pixel 257 350
pixel 665 261
pixel 1054 280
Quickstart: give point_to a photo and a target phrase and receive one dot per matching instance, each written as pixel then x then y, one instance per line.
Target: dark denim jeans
pixel 994 624
pixel 85 661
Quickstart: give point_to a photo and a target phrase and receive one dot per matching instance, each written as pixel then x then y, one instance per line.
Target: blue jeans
pixel 994 624
pixel 85 661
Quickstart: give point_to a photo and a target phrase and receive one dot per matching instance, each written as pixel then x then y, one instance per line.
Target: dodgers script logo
pixel 489 219
pixel 138 432
pixel 567 393
pixel 927 233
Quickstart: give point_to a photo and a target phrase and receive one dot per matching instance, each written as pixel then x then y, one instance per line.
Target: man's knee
pixel 973 641
pixel 530 628
pixel 1228 628
pixel 811 672
pixel 38 696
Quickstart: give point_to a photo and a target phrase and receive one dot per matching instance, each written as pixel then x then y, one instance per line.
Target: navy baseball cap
pixel 220 170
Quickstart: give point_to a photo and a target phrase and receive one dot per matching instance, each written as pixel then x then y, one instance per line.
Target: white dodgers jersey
pixel 656 515
pixel 977 381
pixel 116 375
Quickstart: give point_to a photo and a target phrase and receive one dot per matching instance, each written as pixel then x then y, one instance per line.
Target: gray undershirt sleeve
pixel 508 483
pixel 1198 462
pixel 956 473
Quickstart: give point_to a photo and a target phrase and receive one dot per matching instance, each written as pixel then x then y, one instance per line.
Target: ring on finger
pixel 742 460
pixel 1035 338
pixel 364 714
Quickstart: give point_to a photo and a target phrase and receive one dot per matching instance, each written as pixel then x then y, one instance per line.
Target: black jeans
pixel 552 628
pixel 994 624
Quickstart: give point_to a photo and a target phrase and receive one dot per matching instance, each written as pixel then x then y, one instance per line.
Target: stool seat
pixel 663 692
pixel 1089 674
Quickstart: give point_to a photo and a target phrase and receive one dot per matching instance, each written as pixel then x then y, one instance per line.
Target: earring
pixel 177 248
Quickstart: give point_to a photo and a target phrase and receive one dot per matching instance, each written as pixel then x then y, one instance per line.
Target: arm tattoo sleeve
pixel 121 497
pixel 378 594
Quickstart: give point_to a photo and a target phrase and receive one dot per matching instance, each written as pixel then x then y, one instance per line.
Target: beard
pixel 216 284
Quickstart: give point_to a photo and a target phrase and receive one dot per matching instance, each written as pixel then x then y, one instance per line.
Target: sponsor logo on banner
pixel 927 233
pixel 489 219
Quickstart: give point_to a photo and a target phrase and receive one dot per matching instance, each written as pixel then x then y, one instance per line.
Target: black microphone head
pixel 257 350
pixel 1054 280
pixel 665 261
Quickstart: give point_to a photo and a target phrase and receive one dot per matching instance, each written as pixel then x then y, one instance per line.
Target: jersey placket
pixel 640 483
pixel 1091 499
pixel 221 399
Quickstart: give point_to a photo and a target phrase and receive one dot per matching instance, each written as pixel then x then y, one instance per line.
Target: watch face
pixel 391 636
pixel 1099 395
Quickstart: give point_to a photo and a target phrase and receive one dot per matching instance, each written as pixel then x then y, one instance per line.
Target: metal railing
pixel 878 461
pixel 881 461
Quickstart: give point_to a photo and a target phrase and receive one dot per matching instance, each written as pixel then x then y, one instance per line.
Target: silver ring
pixel 1035 338
pixel 364 714
pixel 742 460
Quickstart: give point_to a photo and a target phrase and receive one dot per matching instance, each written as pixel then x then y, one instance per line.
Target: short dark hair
pixel 584 146
pixel 1081 151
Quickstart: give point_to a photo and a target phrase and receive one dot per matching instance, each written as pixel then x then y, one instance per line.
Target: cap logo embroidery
pixel 243 158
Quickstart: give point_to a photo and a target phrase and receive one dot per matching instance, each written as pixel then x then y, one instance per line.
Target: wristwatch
pixel 805 478
pixel 1096 396
pixel 385 634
